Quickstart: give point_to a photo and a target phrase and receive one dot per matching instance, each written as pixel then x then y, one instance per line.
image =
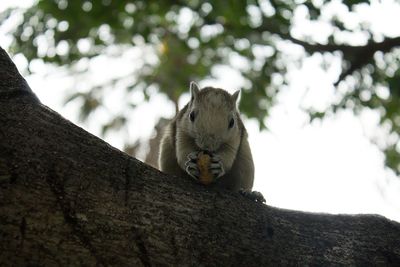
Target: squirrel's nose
pixel 210 143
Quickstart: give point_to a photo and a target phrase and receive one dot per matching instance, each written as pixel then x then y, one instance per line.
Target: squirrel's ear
pixel 194 90
pixel 235 96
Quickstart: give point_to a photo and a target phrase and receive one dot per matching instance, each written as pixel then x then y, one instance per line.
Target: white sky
pixel 327 166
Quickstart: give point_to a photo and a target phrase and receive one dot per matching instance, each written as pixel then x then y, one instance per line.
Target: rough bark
pixel 67 198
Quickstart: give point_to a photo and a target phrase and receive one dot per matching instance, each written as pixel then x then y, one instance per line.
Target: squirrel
pixel 209 124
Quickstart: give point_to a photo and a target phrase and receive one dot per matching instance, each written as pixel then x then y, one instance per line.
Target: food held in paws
pixel 204 162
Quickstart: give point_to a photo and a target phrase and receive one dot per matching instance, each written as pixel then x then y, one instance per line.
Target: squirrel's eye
pixel 231 123
pixel 191 116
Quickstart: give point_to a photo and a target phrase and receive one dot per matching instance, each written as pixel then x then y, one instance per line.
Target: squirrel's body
pixel 209 122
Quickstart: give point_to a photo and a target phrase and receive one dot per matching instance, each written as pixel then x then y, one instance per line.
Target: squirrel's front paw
pixel 217 167
pixel 191 165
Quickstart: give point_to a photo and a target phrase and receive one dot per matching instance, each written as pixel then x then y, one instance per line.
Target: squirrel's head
pixel 212 118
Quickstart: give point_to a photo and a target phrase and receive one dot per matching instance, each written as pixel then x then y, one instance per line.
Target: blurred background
pixel 320 83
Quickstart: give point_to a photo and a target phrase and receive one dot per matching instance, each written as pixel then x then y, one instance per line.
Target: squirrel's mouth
pixel 207 144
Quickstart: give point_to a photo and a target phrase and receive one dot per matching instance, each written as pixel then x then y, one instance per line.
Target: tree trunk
pixel 68 198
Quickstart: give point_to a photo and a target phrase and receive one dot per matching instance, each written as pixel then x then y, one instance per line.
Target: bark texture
pixel 67 198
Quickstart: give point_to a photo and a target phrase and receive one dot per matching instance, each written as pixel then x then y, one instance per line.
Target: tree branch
pixel 11 82
pixel 357 56
pixel 68 198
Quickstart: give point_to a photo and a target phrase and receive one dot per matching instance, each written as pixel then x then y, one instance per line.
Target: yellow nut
pixel 204 162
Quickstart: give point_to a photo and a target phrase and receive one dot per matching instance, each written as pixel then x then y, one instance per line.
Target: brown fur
pixel 214 107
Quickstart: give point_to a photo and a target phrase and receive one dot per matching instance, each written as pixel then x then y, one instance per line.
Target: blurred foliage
pixel 190 37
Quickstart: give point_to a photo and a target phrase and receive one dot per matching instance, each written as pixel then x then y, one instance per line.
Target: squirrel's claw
pixel 216 166
pixel 253 195
pixel 191 166
pixel 193 156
